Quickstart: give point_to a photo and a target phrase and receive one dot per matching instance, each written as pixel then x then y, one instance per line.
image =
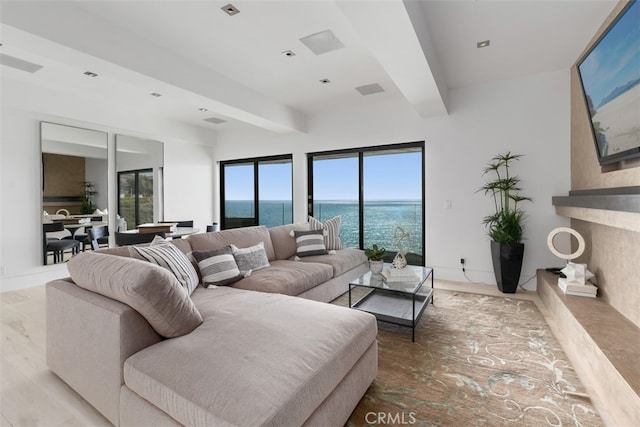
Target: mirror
pixel 139 165
pixel 74 177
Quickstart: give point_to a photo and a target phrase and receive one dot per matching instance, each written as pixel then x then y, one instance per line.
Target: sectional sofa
pixel 262 351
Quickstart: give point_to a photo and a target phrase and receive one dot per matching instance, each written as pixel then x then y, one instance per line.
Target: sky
pixel 386 177
pixel 616 59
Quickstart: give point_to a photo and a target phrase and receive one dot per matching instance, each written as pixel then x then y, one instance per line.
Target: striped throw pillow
pixel 218 267
pixel 170 257
pixel 331 229
pixel 310 243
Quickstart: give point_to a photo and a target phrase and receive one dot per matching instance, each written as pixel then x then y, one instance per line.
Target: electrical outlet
pixel 3 270
pixel 462 263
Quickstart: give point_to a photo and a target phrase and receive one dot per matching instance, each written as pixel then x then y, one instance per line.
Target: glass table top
pixel 408 280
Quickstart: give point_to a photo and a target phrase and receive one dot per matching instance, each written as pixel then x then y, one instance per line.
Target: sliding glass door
pixel 257 192
pixel 378 191
pixel 336 191
pixel 238 205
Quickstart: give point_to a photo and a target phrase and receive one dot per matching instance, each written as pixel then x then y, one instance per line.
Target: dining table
pixel 178 233
pixel 74 227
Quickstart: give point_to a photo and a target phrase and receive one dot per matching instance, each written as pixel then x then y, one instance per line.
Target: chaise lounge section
pixel 258 357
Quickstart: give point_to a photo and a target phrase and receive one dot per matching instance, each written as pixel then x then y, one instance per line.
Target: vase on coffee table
pixel 376 266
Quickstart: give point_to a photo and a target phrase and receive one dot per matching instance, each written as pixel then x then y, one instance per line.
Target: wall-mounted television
pixel 610 76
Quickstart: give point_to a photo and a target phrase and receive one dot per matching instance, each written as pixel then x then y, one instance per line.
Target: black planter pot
pixel 507 264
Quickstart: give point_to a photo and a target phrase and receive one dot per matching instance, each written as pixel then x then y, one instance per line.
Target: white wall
pixel 528 115
pixel 23 107
pixel 189 178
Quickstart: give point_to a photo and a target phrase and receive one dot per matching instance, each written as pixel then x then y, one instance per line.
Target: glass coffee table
pixel 400 300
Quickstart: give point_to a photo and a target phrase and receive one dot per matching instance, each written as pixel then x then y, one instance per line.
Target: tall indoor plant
pixel 87 197
pixel 506 223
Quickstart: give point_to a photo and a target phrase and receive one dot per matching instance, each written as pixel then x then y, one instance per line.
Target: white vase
pixel 376 266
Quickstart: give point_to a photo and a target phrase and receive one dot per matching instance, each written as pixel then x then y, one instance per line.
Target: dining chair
pixel 98 235
pixel 82 238
pixel 126 239
pixel 57 246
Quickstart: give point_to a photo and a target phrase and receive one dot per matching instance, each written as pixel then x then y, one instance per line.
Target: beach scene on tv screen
pixel 611 79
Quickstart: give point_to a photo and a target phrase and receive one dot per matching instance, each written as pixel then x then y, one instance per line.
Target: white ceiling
pixel 197 56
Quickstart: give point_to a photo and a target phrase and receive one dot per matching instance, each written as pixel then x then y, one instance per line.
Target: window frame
pixel 256 183
pixel 360 152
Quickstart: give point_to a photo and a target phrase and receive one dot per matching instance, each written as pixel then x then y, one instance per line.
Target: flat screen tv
pixel 610 77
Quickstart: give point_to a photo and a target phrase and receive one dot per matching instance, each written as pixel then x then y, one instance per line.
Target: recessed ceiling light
pixel 288 53
pixel 483 43
pixel 202 109
pixel 156 94
pixel 90 74
pixel 370 89
pixel 325 81
pixel 230 9
pixel 322 42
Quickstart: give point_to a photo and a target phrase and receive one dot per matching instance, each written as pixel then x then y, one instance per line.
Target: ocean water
pixel 380 219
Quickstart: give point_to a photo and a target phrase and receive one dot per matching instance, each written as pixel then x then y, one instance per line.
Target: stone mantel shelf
pixel 617 207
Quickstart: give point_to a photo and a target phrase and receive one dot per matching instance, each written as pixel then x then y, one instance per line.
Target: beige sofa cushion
pixel 343 260
pixel 152 291
pixel 286 277
pixel 305 349
pixel 241 237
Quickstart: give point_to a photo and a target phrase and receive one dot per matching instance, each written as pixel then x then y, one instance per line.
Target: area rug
pixel 477 361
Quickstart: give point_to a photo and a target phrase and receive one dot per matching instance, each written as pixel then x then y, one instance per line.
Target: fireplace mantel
pixel 616 207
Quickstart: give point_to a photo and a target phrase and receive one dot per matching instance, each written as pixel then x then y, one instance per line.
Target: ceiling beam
pixel 68 25
pixel 406 54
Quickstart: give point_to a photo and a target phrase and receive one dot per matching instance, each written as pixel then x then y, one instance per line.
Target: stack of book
pixel 573 288
pixel 400 275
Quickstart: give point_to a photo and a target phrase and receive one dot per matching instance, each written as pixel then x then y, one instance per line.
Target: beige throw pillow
pixel 331 229
pixel 151 290
pixel 166 255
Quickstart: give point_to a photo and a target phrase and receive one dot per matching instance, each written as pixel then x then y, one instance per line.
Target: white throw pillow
pixel 170 257
pixel 331 228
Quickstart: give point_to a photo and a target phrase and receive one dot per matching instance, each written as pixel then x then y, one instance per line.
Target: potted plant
pixel 375 256
pixel 506 223
pixel 87 197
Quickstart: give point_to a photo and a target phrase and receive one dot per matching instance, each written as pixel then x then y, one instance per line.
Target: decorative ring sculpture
pixel 578 236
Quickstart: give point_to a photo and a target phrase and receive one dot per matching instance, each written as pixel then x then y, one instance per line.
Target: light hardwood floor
pixel 31 395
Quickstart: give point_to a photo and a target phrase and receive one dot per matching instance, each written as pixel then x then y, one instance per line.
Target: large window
pixel 257 192
pixel 135 196
pixel 378 191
